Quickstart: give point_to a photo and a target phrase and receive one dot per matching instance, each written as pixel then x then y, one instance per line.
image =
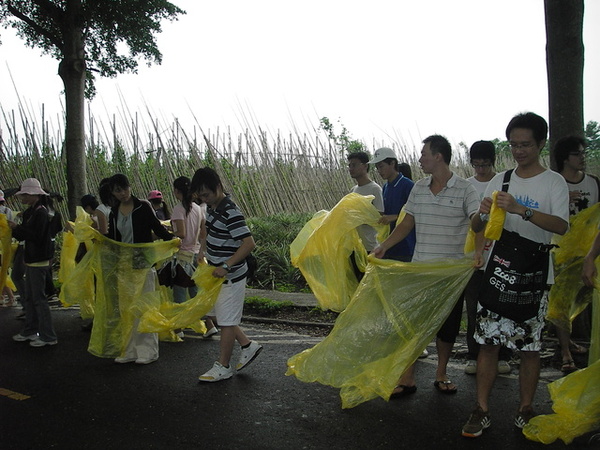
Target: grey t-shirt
pixel 367 233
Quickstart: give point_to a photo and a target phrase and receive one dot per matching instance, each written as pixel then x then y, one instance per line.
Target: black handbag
pixel 515 277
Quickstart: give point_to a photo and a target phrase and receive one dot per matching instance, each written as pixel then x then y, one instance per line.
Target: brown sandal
pixel 446 390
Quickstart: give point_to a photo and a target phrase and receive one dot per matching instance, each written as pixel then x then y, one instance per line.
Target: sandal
pixel 577 349
pixel 446 389
pixel 406 390
pixel 568 366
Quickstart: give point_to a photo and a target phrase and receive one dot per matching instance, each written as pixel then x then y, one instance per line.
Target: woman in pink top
pixel 187 221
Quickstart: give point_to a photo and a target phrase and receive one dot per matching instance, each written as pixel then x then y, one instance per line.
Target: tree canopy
pixel 88 37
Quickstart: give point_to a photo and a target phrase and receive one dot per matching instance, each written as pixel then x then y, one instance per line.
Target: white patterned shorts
pixel 493 329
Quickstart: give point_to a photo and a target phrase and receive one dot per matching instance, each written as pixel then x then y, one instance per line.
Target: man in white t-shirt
pixel 358 168
pixel 536 205
pixel 569 153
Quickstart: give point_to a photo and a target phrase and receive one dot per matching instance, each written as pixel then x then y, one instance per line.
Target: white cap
pixel 383 153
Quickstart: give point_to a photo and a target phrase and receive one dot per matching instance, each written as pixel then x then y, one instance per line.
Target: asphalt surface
pixel 63 397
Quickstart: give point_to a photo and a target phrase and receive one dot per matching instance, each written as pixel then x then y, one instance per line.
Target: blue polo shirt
pixel 395 195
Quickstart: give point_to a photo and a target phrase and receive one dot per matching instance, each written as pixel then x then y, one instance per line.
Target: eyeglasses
pixel 580 153
pixel 481 166
pixel 517 145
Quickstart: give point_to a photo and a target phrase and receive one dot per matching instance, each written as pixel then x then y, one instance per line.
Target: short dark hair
pixel 118 180
pixel 483 150
pixel 361 156
pixel 564 146
pixel 207 178
pixel 530 121
pixel 89 200
pixel 439 144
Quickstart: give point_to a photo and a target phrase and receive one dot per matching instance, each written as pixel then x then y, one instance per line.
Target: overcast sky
pixel 391 70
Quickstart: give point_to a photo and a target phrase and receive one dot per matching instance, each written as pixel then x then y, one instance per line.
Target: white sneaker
pixel 217 373
pixel 471 367
pixel 248 354
pixel 124 360
pixel 210 333
pixel 503 367
pixel 424 354
pixel 20 338
pixel 39 343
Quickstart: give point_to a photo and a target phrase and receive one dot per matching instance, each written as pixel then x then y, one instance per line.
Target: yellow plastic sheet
pixel 323 247
pixel 5 250
pixel 126 286
pixel 493 228
pixel 576 406
pixel 171 315
pixel 568 296
pixel 78 279
pixel 395 312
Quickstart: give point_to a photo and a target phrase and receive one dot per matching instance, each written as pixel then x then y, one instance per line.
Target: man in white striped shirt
pixel 439 208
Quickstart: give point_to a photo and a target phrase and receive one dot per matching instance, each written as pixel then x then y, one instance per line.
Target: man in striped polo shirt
pixel 228 243
pixel 439 209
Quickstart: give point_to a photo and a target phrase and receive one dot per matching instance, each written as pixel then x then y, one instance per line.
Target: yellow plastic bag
pixel 395 312
pixel 568 296
pixel 576 404
pixel 323 247
pixel 493 229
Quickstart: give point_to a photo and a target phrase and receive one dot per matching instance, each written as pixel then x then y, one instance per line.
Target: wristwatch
pixel 484 217
pixel 226 267
pixel 528 214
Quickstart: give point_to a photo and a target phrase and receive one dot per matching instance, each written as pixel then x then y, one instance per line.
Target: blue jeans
pixel 180 293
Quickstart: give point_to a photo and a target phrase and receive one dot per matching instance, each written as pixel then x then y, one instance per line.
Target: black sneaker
pixel 523 417
pixel 478 421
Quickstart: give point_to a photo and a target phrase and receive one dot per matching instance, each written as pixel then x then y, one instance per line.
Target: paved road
pixel 63 397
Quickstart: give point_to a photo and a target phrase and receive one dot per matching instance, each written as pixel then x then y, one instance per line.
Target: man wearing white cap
pixel 395 194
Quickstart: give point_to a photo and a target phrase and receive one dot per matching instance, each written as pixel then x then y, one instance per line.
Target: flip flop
pixel 406 390
pixel 447 390
pixel 568 366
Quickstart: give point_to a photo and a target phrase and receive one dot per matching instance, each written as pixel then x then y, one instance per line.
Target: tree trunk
pixel 564 62
pixel 72 71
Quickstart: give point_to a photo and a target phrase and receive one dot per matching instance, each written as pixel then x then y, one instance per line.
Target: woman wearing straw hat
pixel 35 231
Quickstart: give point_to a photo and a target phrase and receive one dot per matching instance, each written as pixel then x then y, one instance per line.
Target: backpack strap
pixel 506 180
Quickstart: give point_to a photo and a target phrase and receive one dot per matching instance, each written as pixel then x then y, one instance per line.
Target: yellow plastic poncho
pixel 125 286
pixel 6 251
pixel 568 296
pixel 396 311
pixel 171 315
pixel 392 315
pixel 323 247
pixel 576 406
